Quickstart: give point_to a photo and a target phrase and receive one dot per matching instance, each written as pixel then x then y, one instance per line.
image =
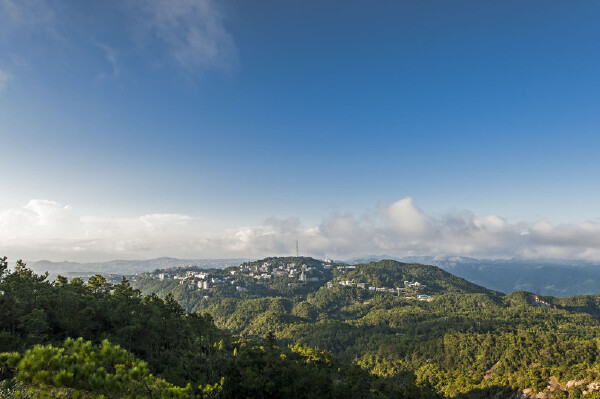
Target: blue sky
pixel 236 114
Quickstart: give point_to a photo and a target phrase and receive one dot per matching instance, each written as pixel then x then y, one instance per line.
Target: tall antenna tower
pixel 297 251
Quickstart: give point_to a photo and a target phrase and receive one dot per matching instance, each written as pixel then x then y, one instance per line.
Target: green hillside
pixel 443 336
pixel 134 346
pixel 293 327
pixel 390 273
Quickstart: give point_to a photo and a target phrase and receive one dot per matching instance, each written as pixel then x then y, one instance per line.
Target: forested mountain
pixel 292 327
pixel 544 277
pixel 421 330
pixel 71 339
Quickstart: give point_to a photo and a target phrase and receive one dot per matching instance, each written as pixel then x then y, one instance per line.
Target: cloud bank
pixel 46 229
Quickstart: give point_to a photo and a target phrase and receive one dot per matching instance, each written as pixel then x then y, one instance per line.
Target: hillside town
pixel 291 271
pixel 294 271
pixel 409 287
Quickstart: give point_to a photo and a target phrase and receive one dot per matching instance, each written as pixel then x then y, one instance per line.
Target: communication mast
pixel 297 252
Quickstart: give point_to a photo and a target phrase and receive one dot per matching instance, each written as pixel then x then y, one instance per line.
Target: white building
pixel 302 276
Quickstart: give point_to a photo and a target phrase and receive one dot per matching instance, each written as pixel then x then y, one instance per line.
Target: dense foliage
pixel 252 336
pixel 135 346
pixel 466 341
pixel 81 369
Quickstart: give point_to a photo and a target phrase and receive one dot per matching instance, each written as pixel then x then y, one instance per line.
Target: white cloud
pixel 406 219
pixel 111 57
pixel 191 31
pixel 48 229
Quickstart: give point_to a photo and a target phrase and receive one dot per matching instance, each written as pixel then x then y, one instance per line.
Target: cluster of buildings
pixel 269 269
pixel 187 275
pixel 398 290
pixel 364 286
pixel 298 271
pixel 200 280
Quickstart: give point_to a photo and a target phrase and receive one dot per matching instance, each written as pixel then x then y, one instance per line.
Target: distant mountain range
pixel 562 278
pixel 125 267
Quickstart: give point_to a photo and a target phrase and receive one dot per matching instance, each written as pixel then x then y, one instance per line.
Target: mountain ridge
pixel 560 278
